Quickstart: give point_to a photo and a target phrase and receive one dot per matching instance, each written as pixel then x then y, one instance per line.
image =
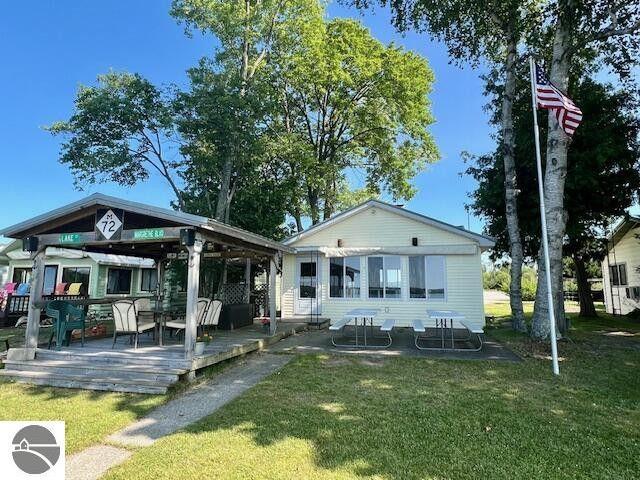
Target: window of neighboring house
pixel 148 279
pixel 344 277
pixel 21 275
pixel 385 275
pixel 118 281
pixel 427 277
pixel 49 281
pixel 77 275
pixel 308 279
pixel 618 274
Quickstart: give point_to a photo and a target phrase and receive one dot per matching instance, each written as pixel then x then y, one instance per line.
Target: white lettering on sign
pixel 109 224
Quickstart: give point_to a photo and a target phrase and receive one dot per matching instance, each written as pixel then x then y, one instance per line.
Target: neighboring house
pixel 101 275
pixel 381 256
pixel 620 275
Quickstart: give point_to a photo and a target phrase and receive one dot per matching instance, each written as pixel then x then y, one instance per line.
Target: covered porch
pixel 109 225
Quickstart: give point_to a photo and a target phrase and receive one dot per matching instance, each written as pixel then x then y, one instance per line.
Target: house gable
pixel 377 224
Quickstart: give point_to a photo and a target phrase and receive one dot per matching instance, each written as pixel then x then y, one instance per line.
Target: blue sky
pixel 49 47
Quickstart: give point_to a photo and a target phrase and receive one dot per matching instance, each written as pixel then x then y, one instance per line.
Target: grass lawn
pixel 334 417
pixel 89 416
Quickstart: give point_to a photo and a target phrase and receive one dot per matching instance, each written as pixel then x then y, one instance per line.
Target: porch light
pixel 414 241
pixel 30 244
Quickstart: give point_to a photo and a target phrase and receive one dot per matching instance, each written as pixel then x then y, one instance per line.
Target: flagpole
pixel 543 219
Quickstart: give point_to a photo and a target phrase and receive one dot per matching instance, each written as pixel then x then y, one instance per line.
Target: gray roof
pixel 181 218
pixel 623 226
pixel 483 241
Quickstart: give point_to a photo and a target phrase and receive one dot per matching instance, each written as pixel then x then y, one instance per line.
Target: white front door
pixel 307 300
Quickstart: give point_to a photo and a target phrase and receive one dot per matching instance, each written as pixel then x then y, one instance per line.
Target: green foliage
pixel 500 279
pixel 117 131
pixel 603 175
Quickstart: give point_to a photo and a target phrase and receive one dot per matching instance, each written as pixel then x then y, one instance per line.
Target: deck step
pixel 84 382
pixel 98 370
pixel 113 358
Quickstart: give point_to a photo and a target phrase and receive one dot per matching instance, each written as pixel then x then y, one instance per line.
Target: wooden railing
pixel 17 305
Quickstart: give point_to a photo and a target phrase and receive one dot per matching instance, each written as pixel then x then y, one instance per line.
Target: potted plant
pixel 201 342
pixel 266 324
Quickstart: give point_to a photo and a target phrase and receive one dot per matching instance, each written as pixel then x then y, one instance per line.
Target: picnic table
pixel 443 322
pixel 359 317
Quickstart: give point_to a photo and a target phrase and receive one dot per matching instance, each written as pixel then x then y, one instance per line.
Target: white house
pixel 621 278
pixel 382 256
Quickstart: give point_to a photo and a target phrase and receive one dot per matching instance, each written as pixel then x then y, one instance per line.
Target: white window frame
pixel 299 278
pixel 344 274
pixel 64 267
pixel 384 279
pixel 626 274
pixel 426 280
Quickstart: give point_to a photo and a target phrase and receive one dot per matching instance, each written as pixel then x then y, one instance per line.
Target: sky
pixel 50 47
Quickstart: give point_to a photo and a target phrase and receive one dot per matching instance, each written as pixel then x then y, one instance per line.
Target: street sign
pixel 109 224
pixel 148 234
pixel 65 238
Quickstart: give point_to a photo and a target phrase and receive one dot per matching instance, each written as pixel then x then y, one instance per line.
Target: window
pixel 344 277
pixel 385 277
pixel 49 281
pixel 618 274
pixel 118 281
pixel 308 279
pixel 633 293
pixel 148 279
pixel 21 275
pixel 427 277
pixel 76 275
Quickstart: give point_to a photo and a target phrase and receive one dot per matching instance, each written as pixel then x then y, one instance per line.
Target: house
pixel 4 267
pixel 377 255
pixel 620 268
pixel 99 274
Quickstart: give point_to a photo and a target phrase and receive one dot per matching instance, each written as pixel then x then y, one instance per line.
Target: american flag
pixel 548 96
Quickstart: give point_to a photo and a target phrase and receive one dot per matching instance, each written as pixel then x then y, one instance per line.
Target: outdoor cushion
pixel 23 289
pixel 143 327
pixel 10 287
pixel 74 289
pixel 60 288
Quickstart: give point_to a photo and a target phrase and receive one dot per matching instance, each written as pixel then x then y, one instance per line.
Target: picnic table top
pixel 448 314
pixel 362 312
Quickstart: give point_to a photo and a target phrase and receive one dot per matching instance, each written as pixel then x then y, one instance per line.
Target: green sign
pixel 148 234
pixel 70 238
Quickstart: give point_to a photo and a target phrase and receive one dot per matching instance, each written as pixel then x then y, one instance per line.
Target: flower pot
pixel 199 348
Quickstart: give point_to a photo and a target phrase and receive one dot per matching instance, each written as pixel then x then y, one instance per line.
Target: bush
pixel 529 284
pixel 499 279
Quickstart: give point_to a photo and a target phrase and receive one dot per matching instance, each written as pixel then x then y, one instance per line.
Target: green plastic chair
pixel 67 318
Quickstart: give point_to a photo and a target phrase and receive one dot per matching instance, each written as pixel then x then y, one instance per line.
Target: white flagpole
pixel 543 219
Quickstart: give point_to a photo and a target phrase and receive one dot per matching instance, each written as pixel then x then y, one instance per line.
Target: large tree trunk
pixel 510 188
pixel 587 308
pixel 554 179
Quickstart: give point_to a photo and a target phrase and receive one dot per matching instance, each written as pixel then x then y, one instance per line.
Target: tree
pixel 603 29
pixel 347 102
pixel 491 30
pixel 247 31
pixel 603 178
pixel 120 131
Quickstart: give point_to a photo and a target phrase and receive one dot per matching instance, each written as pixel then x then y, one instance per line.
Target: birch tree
pixel 490 30
pixel 606 30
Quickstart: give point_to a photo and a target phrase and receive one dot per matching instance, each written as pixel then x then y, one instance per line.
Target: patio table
pixel 444 320
pixel 160 315
pixel 355 316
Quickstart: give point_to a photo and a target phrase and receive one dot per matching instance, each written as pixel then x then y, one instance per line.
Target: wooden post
pixel 272 294
pixel 35 295
pixel 247 279
pixel 193 284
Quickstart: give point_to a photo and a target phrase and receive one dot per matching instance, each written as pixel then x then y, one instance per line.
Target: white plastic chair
pixel 212 315
pixel 126 321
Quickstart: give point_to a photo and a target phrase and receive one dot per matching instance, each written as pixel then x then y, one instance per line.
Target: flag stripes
pixel 548 96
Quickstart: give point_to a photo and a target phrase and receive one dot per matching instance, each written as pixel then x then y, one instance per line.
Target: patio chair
pixel 66 318
pixel 126 321
pixel 212 315
pixel 10 287
pixel 23 289
pixel 74 289
pixel 143 310
pixel 201 311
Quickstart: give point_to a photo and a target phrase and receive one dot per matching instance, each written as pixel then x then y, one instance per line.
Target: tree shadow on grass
pixel 413 418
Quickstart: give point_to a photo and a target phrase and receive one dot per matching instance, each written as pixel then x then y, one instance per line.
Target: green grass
pixel 326 417
pixel 89 416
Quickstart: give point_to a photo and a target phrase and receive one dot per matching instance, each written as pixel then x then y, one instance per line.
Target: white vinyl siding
pixel 625 252
pixel 462 272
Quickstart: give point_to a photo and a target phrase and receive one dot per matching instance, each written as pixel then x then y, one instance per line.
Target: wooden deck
pixel 147 369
